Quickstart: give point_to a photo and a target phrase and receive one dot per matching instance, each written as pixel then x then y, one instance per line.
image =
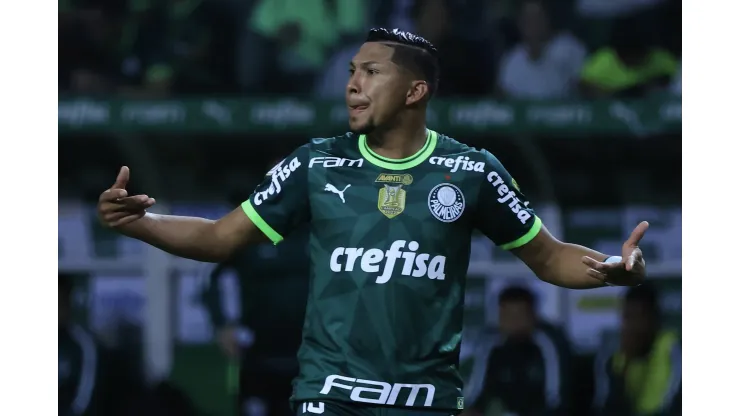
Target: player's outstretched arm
pixel 194 238
pixel 504 215
pixel 577 267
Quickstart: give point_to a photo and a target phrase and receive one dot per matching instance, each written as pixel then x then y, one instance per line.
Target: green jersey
pixel 389 246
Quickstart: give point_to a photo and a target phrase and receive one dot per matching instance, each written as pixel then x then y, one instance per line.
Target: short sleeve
pixel 280 204
pixel 503 213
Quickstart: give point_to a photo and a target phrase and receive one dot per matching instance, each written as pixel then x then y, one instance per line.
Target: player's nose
pixel 353 86
pixel 352 89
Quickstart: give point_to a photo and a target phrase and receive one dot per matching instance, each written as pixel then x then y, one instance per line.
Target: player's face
pixel 516 319
pixel 376 90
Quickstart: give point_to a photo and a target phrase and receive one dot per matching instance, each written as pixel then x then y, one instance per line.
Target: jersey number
pixel 315 408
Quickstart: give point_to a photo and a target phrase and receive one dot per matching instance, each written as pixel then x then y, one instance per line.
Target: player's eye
pixel 372 71
pixel 351 71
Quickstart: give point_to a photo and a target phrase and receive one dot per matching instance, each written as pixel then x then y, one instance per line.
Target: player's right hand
pixel 116 208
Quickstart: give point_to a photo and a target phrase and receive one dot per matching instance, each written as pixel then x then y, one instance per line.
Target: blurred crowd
pixel 519 49
pixel 525 365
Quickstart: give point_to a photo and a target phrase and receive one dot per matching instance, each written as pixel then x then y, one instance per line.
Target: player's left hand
pixel 628 272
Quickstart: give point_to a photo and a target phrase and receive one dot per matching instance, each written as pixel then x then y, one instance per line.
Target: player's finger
pixel 137 202
pixel 596 275
pixel 126 206
pixel 119 206
pixel 122 179
pixel 637 234
pixel 594 264
pixel 631 256
pixel 113 194
pixel 629 263
pixel 601 266
pixel 588 261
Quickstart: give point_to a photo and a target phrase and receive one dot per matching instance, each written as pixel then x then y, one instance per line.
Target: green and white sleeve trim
pixel 270 232
pixel 526 238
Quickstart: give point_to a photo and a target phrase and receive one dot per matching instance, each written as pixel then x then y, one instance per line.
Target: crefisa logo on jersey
pixel 392 196
pixel 375 260
pixel 508 197
pixel 446 202
pixel 458 163
pixel 279 174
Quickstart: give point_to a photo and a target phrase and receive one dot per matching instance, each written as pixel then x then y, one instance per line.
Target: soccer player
pixel 391 207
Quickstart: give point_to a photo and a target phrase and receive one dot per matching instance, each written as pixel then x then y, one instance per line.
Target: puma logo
pixel 333 189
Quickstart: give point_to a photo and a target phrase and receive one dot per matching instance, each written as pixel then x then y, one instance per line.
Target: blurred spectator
pixel 657 20
pixel 500 20
pixel 642 375
pixel 393 14
pixel 92 45
pixel 525 371
pixel 144 63
pixel 305 33
pixel 432 21
pixel 188 46
pixel 141 47
pixel 264 339
pixel 464 68
pixel 255 61
pixel 545 64
pixel 79 363
pixel 631 67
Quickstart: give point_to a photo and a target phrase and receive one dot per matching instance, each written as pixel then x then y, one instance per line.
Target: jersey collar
pixel 399 164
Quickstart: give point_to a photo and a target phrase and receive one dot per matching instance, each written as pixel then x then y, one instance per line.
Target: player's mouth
pixel 357 109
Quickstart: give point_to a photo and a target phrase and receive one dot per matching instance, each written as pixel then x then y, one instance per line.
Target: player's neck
pixel 399 142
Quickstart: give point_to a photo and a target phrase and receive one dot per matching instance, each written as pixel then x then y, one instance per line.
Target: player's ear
pixel 418 92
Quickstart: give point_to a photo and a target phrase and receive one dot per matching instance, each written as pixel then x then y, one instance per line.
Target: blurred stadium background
pixel 580 99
